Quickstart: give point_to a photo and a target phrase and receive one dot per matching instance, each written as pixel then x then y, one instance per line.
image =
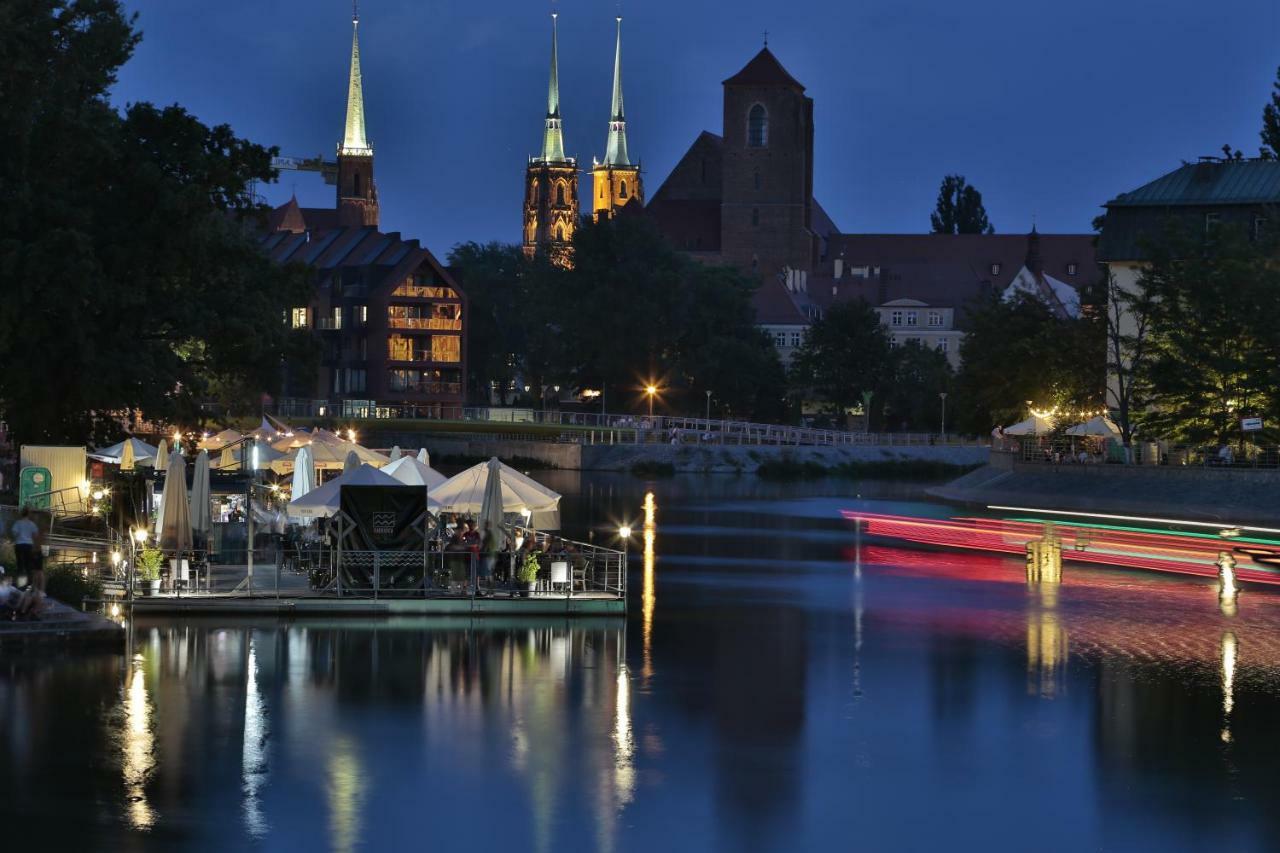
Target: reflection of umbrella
pixel 352 462
pixel 323 502
pixel 465 493
pixel 1034 425
pixel 201 518
pixel 491 504
pixel 1097 425
pixel 175 515
pixel 395 453
pixel 162 455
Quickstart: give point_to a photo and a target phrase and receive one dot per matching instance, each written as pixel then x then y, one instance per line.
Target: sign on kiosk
pixel 1251 424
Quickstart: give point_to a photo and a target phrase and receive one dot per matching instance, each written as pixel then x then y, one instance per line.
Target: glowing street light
pixel 651 390
pixel 625 532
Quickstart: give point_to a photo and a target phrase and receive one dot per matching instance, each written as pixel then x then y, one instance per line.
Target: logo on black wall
pixel 383 523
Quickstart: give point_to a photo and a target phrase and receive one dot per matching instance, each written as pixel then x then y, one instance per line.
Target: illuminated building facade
pixel 615 182
pixel 551 180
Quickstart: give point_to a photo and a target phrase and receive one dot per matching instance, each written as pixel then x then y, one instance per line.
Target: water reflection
pixel 1228 683
pixel 137 743
pixel 346 790
pixel 254 752
pixel 648 597
pixel 1046 644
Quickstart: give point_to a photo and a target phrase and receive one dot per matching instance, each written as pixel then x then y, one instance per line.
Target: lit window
pixel 447 348
pixel 300 318
pixel 758 127
pixel 364 313
pixel 895 318
pixel 995 269
pixel 935 318
pixel 1071 269
pixel 912 318
pixel 337 316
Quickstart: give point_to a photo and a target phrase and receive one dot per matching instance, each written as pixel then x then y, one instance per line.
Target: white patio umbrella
pixel 423 456
pixel 1034 425
pixel 351 463
pixel 328 455
pixel 126 456
pixel 201 515
pixel 114 454
pixel 174 531
pixel 1097 425
pixel 465 493
pixel 412 472
pixel 324 501
pixel 395 453
pixel 491 503
pixel 162 455
pixel 221 440
pixel 304 475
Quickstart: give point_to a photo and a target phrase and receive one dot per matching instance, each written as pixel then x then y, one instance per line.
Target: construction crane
pixel 328 169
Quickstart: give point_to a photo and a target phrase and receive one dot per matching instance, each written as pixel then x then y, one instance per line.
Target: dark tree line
pixel 131 283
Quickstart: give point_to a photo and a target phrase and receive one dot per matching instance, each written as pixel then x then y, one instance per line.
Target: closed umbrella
pixel 424 457
pixel 126 457
pixel 395 453
pixel 162 455
pixel 304 473
pixel 351 463
pixel 175 515
pixel 491 504
pixel 201 516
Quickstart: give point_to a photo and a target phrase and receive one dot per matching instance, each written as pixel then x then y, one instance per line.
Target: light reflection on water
pixel 792 689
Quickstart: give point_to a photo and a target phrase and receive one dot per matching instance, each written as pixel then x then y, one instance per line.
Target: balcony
pixel 433 324
pixel 329 324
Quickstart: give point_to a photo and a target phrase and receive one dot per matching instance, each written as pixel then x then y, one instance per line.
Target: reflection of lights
pixel 1227 589
pixel 346 795
pixel 139 748
pixel 648 597
pixel 624 773
pixel 1228 683
pixel 254 752
pixel 1046 645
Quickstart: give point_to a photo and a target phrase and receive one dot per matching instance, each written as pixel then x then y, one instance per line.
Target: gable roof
pixel 764 69
pixel 775 305
pixel 1209 182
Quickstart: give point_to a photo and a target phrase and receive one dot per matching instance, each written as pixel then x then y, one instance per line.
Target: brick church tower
pixel 767 202
pixel 551 180
pixel 357 193
pixel 615 182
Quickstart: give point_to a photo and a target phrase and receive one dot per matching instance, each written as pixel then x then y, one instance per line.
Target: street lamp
pixel 708 407
pixel 943 430
pixel 651 390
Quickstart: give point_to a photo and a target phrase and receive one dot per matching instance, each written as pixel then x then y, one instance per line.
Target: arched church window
pixel 757 126
pixel 356 182
pixel 559 233
pixel 622 189
pixel 560 194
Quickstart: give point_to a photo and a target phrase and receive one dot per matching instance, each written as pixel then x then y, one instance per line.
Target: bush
pixel 149 564
pixel 68 584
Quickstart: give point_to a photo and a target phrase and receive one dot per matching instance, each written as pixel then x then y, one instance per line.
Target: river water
pixel 778 685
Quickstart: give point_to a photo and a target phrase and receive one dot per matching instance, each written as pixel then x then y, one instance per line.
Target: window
pixel 622 189
pixel 755 216
pixel 895 318
pixel 447 348
pixel 995 269
pixel 758 127
pixel 795 339
pixel 943 345
pixel 419 288
pixel 355 182
pixel 935 319
pixel 355 380
pixel 364 349
pixel 1071 269
pixel 1259 227
pixel 756 178
pixel 912 318
pixel 602 191
pixel 399 348
pixel 337 316
pixel 363 312
pixel 560 194
pixel 1212 221
pixel 559 233
pixel 300 318
pixel 893 342
pixel 438 316
pixel 780 339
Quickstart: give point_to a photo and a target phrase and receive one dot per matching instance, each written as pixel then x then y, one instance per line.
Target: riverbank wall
pixel 1230 496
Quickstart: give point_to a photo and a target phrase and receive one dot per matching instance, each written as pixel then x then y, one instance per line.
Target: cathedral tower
pixel 357 194
pixel 551 180
pixel 615 182
pixel 766 207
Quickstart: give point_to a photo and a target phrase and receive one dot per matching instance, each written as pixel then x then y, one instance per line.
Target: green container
pixel 34 485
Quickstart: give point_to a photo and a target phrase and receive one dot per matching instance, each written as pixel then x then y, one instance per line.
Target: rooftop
pixel 1210 181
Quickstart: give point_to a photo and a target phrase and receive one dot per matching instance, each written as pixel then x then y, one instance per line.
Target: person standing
pixel 26 537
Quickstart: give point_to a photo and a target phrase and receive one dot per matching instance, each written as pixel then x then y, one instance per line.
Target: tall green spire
pixel 616 150
pixel 553 140
pixel 354 140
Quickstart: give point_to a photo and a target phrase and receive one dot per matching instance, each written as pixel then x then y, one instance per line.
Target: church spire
pixel 616 151
pixel 354 140
pixel 553 140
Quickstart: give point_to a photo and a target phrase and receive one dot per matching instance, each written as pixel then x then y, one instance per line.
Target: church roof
pixel 287 217
pixel 764 70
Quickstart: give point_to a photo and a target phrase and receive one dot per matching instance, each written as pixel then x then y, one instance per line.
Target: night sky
pixel 1049 109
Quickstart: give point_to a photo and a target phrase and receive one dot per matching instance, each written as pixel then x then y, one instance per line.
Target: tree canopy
pixel 845 355
pixel 134 284
pixel 1271 123
pixel 959 209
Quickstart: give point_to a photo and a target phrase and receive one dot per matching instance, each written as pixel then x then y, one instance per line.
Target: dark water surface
pixel 777 686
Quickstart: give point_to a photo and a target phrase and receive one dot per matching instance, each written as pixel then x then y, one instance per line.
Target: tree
pixel 911 397
pixel 1017 351
pixel 1129 313
pixel 134 282
pixel 1214 350
pixel 495 277
pixel 845 354
pixel 1271 123
pixel 959 209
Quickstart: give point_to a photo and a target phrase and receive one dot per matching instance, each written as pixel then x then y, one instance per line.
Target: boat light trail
pixel 1210 524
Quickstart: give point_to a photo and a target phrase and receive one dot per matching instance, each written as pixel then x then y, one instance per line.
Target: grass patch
pixel 653 468
pixel 888 469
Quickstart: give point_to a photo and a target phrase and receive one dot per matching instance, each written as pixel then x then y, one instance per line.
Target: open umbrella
pixel 412 472
pixel 201 516
pixel 323 502
pixel 465 493
pixel 174 532
pixel 1097 425
pixel 395 453
pixel 1034 425
pixel 221 439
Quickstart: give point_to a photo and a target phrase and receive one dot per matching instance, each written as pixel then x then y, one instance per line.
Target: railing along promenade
pixel 1067 451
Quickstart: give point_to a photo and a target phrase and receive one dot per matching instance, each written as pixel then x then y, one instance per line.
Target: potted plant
pixel 149 562
pixel 528 572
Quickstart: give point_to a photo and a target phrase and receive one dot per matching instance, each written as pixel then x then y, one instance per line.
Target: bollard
pixel 1228 592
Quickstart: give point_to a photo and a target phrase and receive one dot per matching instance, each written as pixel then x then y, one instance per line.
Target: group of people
pixel 500 551
pixel 17 602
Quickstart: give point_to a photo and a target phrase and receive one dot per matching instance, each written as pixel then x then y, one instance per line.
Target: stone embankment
pixel 1236 496
pixel 59 627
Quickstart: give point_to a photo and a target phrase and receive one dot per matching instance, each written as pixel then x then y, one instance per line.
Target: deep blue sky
pixel 1049 109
